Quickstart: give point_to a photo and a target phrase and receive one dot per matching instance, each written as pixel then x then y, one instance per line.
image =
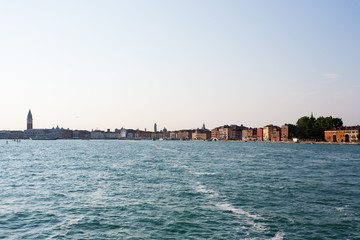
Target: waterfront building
pixel 343 134
pixel 29 120
pixel 11 134
pixel 61 133
pixel 143 135
pixel 267 132
pixel 259 135
pixel 215 134
pixel 97 134
pixel 288 132
pixel 48 134
pixel 201 134
pixel 39 134
pixel 184 134
pixel 45 134
pixel 126 133
pixel 81 134
pixel 166 135
pixel 224 132
pixel 276 134
pixel 249 134
pixel 130 133
pixel 271 133
pixel 123 133
pixel 238 131
pixel 172 135
pixel 111 135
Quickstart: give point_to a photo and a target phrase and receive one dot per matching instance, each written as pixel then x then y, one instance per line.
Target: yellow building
pixel 267 130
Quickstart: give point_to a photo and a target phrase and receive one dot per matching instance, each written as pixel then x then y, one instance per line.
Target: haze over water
pixel 178 190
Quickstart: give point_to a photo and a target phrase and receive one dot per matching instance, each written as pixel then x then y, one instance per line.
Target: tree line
pixel 313 128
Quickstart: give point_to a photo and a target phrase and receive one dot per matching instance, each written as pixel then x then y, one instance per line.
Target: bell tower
pixel 29 121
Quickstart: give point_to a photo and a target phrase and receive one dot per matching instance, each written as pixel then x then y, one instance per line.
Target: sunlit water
pixel 178 190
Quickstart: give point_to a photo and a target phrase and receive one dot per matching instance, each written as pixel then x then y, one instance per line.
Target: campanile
pixel 29 121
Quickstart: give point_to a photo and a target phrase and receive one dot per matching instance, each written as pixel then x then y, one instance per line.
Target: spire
pixel 312 116
pixel 29 121
pixel 29 116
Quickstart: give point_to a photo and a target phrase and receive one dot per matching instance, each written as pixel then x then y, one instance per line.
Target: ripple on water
pixel 178 190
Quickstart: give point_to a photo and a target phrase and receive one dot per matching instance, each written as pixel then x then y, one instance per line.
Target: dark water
pixel 178 190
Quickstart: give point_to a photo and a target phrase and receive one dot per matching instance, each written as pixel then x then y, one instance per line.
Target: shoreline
pixel 300 142
pixel 281 142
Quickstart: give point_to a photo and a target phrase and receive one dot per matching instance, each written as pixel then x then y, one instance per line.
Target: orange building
pixel 276 134
pixel 259 136
pixel 343 134
pixel 215 135
pixel 201 135
pixel 184 134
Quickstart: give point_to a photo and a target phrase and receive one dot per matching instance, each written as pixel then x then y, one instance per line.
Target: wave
pixel 203 173
pixel 202 189
pixel 231 208
pixel 278 236
pixel 224 206
pixel 72 222
pixel 257 226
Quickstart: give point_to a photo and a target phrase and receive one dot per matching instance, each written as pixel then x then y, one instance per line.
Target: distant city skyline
pixel 112 64
pixel 30 125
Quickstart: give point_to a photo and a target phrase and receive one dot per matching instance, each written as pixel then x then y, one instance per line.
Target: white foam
pixel 72 222
pixel 231 208
pixel 340 209
pixel 278 236
pixel 201 189
pixel 258 227
pixel 203 173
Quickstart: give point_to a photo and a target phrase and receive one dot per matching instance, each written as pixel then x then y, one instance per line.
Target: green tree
pixel 311 128
pixel 337 122
pixel 304 127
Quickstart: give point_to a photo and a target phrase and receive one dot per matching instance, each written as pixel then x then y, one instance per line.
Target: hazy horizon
pixel 112 64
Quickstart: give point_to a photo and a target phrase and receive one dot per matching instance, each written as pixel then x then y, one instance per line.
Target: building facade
pixel 259 135
pixel 184 134
pixel 81 134
pixel 276 134
pixel 215 134
pixel 271 133
pixel 288 132
pixel 267 130
pixel 201 134
pixel 343 134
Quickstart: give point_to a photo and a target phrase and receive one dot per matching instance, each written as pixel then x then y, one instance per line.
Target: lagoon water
pixel 69 189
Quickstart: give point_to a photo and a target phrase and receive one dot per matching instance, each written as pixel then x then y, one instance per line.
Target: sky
pixel 112 64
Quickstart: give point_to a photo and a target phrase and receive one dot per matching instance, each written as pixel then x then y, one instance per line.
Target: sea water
pixel 76 189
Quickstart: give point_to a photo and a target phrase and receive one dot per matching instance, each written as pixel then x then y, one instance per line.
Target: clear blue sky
pixel 113 64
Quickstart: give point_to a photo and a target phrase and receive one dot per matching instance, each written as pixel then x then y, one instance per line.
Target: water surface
pixel 70 189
